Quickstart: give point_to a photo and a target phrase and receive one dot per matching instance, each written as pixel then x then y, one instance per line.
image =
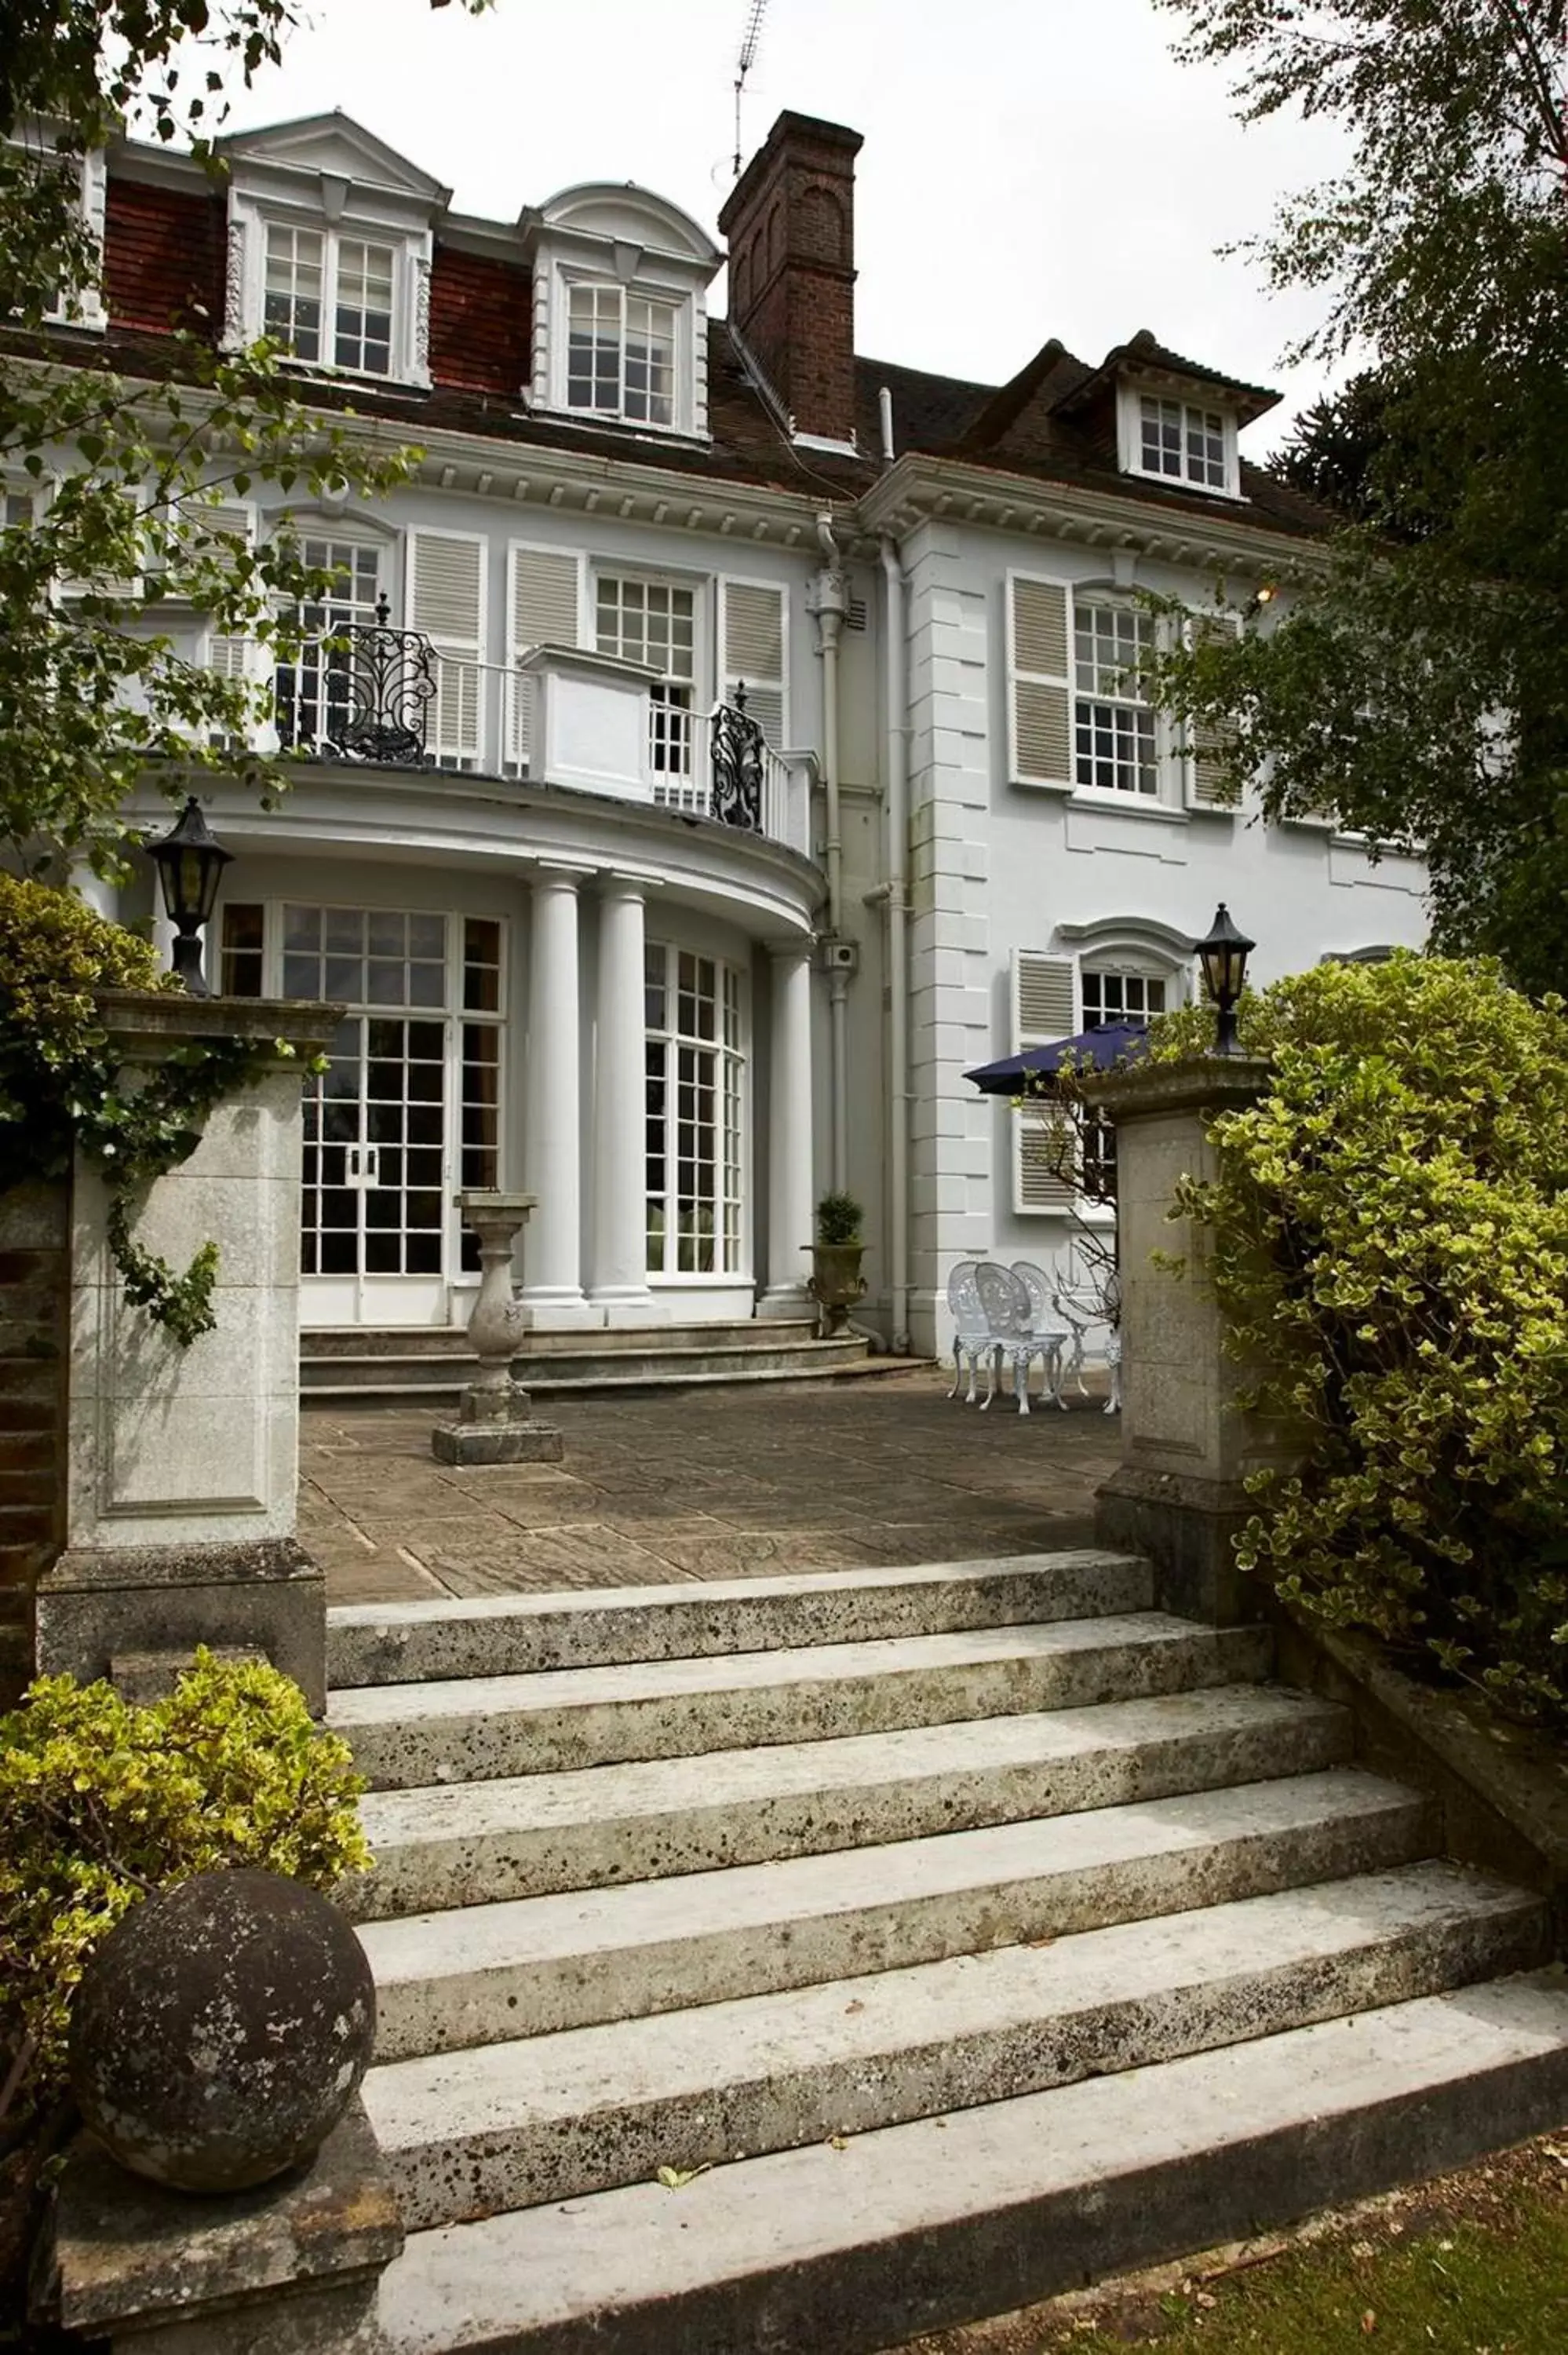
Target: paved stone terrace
pixel 727 1483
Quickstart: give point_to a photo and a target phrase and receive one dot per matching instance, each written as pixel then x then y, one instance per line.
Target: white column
pixel 789 1161
pixel 620 1181
pixel 552 1287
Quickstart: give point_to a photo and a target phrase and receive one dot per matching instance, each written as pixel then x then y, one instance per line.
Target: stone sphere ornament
pixel 221 2030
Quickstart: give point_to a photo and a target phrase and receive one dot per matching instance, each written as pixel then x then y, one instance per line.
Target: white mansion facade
pixel 597 940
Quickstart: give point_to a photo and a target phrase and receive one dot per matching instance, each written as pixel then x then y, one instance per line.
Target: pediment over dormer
pixel 335 148
pixel 624 214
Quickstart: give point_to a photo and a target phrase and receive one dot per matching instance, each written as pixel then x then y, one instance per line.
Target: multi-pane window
pixel 1186 443
pixel 312 278
pixel 694 1113
pixel 1114 736
pixel 362 311
pixel 296 268
pixel 241 963
pixel 414 1072
pixel 1112 997
pixel 316 694
pixel 621 355
pixel 479 1160
pixel 374 1123
pixel 654 623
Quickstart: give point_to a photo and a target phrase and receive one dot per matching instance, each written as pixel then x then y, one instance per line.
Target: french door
pixel 408 1107
pixel 378 1173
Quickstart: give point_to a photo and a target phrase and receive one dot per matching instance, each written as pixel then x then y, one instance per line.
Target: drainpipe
pixel 897 771
pixel 829 604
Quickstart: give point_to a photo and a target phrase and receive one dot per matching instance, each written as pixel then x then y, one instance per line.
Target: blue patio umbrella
pixel 1101 1050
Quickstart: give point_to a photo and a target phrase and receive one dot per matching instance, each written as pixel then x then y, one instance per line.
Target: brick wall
pixel 35 1298
pixel 791 225
pixel 480 322
pixel 163 257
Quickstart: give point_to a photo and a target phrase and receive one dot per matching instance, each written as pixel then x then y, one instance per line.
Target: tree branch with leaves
pixel 1416 685
pixel 114 561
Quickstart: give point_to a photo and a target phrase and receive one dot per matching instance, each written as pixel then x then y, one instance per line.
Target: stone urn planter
pixel 836 1282
pixel 495 1424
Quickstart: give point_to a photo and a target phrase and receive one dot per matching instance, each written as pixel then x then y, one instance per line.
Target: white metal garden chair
pixel 1046 1325
pixel 972 1332
pixel 1005 1299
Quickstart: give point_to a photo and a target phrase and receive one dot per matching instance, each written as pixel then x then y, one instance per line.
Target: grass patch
pixel 1472 2264
pixel 1470 2289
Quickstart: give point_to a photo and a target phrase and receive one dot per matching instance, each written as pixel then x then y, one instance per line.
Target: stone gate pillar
pixel 182 1463
pixel 1179 1494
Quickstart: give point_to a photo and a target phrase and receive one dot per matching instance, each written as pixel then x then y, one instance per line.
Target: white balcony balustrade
pixel 377 697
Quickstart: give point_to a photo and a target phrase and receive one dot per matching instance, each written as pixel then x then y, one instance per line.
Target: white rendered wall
pixel 998 867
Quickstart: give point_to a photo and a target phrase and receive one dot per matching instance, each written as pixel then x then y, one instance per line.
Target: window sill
pixel 1236 499
pixel 1141 806
pixel 314 372
pixel 686 437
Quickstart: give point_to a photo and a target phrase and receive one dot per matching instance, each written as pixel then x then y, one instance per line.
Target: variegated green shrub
pixel 102 1802
pixel 1390 1231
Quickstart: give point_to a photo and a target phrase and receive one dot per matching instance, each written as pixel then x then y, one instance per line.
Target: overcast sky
pixel 1030 167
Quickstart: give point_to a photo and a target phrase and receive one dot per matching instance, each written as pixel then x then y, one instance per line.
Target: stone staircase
pixel 942 1937
pixel 353 1365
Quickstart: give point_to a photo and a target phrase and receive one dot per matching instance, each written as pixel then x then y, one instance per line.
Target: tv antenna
pixel 750 40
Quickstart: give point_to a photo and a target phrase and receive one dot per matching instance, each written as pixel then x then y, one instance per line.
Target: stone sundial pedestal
pixel 495 1422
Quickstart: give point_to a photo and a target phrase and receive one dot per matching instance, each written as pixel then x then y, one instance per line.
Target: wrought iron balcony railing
pixel 380 697
pixel 362 694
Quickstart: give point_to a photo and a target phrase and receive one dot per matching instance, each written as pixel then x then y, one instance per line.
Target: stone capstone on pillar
pixel 1180 1494
pixel 290 2269
pixel 495 1424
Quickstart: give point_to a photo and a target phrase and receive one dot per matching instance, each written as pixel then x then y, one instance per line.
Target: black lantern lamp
pixel 189 863
pixel 1224 957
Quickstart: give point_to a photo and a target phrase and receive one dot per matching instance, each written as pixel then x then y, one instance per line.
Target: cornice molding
pixel 917 490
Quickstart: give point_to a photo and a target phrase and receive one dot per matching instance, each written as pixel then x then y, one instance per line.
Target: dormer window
pixel 621 355
pixel 1173 440
pixel 330 243
pixel 620 279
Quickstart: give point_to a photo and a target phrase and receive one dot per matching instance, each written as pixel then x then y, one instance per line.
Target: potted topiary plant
pixel 836 1281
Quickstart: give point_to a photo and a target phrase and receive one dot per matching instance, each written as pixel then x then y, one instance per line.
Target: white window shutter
pixel 544 608
pixel 1040 680
pixel 231 655
pixel 754 652
pixel 446 602
pixel 1045 1007
pixel 1206 745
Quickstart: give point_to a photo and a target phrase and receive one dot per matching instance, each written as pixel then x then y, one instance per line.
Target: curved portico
pixel 606 1004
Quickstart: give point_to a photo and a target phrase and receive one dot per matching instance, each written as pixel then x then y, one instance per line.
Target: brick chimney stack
pixel 790 223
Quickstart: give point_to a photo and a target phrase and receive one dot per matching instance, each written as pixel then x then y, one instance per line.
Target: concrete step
pixel 532 1834
pixel 556 2117
pixel 422 1375
pixel 517 1634
pixel 915 2227
pixel 538 1965
pixel 480 1727
pixel 320 1341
